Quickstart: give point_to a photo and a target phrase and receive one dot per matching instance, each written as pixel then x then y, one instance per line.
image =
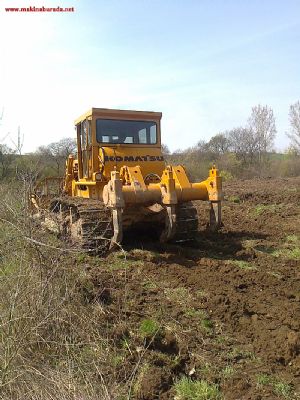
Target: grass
pixel 291 254
pixel 237 353
pixel 263 379
pixel 227 372
pixel 179 295
pixel 293 238
pixel 262 208
pixel 119 260
pixel 207 324
pixel 283 389
pixel 290 248
pixel 234 199
pixel 187 389
pixel 280 388
pixel 243 264
pixel 148 328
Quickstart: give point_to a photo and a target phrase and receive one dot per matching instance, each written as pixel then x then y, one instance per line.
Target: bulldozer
pixel 119 180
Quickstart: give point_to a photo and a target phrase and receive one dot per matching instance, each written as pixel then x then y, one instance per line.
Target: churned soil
pixel 224 309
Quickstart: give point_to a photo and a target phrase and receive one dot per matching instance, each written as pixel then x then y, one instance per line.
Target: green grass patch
pixel 263 379
pixel 262 208
pixel 187 389
pixel 148 285
pixel 179 295
pixel 237 353
pixel 148 328
pixel 292 254
pixel 280 388
pixel 234 199
pixel 283 389
pixel 121 260
pixel 193 313
pixel 243 264
pixel 207 324
pixel 293 238
pixel 227 372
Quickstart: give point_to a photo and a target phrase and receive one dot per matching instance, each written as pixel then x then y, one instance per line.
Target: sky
pixel 203 63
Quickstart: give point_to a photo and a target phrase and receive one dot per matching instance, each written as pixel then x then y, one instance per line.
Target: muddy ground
pixel 224 309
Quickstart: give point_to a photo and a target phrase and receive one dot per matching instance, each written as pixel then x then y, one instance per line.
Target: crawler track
pixel 186 222
pixel 84 222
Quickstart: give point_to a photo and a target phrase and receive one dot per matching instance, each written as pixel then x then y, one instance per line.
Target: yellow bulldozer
pixel 119 180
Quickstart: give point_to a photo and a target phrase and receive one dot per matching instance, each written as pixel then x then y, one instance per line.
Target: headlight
pixel 98 176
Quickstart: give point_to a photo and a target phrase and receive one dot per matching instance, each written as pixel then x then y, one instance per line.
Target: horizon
pixel 203 65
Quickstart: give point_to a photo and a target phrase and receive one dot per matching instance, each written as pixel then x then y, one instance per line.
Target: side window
pixel 153 138
pixel 143 136
pixel 83 135
pixel 89 132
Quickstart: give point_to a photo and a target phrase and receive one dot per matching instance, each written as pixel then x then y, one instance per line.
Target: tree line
pixel 243 151
pixel 246 150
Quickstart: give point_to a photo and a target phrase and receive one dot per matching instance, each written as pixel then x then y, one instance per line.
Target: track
pixel 186 223
pixel 84 222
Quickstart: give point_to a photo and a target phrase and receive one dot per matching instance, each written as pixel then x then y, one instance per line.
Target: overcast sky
pixel 203 63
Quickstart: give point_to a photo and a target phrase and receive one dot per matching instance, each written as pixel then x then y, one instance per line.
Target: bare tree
pixel 165 149
pixel 262 124
pixel 58 152
pixel 19 143
pixel 218 144
pixel 294 117
pixel 6 159
pixel 244 144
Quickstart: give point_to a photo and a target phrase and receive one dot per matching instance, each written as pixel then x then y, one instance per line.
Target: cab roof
pixel 109 113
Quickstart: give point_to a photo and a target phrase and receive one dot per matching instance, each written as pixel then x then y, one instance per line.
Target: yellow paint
pixel 138 164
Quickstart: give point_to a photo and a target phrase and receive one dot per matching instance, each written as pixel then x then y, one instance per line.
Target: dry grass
pixel 50 343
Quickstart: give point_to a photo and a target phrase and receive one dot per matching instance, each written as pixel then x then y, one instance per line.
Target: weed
pixel 221 339
pixel 148 285
pixel 81 258
pixel 275 274
pixel 191 312
pixel 238 353
pixel 117 360
pixel 243 264
pixel 207 324
pixel 292 254
pixel 262 208
pixel 282 389
pixel 179 295
pixel 234 199
pixel 226 175
pixel 227 372
pixel 186 389
pixel 263 379
pixel 202 294
pixel 148 328
pixel 120 261
pixel 292 238
pixel 206 369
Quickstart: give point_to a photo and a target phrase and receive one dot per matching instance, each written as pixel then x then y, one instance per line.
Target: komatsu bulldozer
pixel 119 180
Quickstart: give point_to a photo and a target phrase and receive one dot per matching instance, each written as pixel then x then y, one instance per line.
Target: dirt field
pixel 225 309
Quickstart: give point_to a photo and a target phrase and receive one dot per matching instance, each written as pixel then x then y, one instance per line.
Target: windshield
pixel 122 131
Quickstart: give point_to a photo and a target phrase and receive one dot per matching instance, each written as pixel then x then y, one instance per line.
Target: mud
pixel 226 307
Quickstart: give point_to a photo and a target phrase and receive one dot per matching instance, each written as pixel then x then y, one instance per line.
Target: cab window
pixel 127 132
